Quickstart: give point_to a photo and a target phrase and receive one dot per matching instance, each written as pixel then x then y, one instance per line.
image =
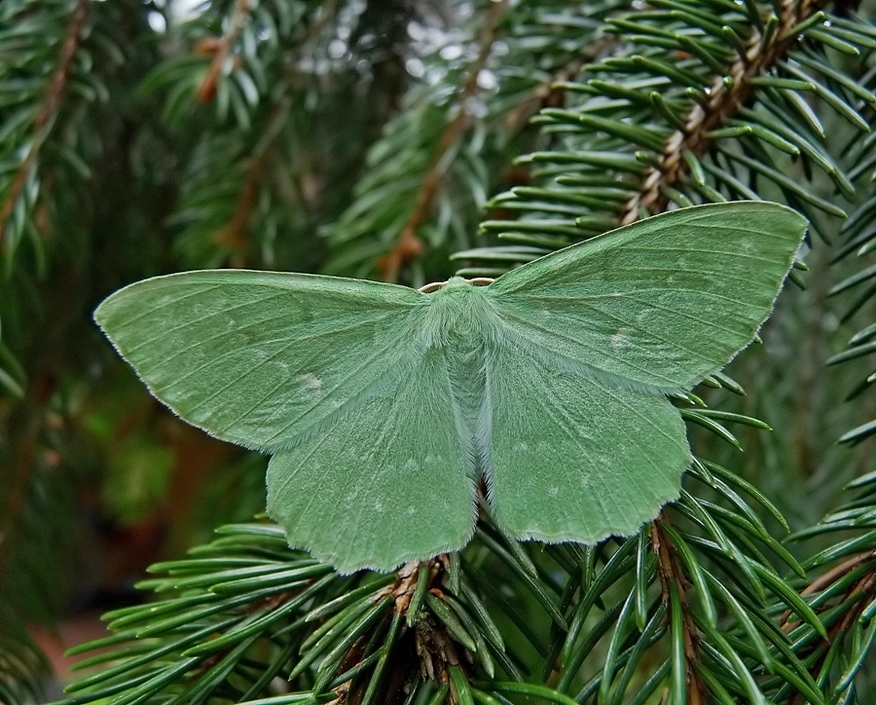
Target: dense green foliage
pixel 402 140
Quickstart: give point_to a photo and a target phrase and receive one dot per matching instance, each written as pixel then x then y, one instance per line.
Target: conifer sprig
pixel 697 104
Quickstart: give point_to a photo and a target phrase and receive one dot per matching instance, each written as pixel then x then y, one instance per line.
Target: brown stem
pixel 207 89
pixel 837 572
pixel 724 102
pixel 233 235
pixel 408 245
pixel 863 592
pixel 51 104
pixel 408 575
pixel 671 572
pixel 828 579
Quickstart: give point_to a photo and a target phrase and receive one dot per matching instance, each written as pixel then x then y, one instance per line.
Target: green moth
pixel 384 407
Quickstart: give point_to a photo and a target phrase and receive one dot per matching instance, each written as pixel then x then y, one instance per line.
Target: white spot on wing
pixel 620 339
pixel 310 381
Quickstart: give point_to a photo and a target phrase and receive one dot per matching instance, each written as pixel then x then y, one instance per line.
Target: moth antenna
pixel 432 286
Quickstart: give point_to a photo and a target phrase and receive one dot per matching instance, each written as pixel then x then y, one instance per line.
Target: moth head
pixel 458 311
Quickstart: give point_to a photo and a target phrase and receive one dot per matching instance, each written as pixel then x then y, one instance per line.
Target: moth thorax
pixel 459 315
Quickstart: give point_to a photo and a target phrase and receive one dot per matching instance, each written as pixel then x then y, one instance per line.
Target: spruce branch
pixel 728 94
pixel 65 65
pixel 852 589
pixel 843 596
pixel 408 245
pixel 246 596
pixel 859 238
pixel 45 118
pixel 233 236
pixel 430 632
pixel 418 176
pixel 674 586
pixel 207 90
pixel 35 549
pixel 693 105
pixel 824 581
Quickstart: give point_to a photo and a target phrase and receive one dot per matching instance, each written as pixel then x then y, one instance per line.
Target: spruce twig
pixel 726 96
pixel 207 90
pixel 408 245
pixel 673 579
pixel 234 234
pixel 45 118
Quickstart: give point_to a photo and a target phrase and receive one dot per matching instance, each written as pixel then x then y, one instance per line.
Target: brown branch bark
pixel 233 235
pixel 408 245
pixel 671 572
pixel 837 572
pixel 861 593
pixel 207 89
pixel 51 104
pixel 724 102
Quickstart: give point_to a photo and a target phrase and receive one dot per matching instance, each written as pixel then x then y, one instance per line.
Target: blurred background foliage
pixel 404 140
